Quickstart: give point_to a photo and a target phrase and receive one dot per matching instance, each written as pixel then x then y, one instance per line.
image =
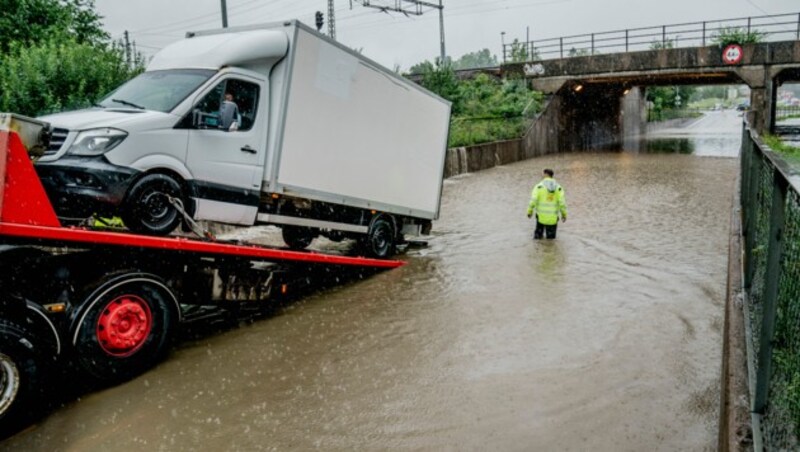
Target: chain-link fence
pixel 771 219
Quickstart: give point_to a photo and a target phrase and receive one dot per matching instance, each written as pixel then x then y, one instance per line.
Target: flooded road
pixel 608 338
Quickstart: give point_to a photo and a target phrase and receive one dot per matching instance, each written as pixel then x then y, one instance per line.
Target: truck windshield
pixel 157 90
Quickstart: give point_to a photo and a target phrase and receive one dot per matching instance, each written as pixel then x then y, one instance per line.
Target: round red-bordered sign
pixel 732 54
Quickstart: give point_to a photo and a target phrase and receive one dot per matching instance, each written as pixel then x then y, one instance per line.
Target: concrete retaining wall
pixel 469 159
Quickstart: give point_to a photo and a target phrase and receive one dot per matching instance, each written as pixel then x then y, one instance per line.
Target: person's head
pixel 229 97
pixel 548 172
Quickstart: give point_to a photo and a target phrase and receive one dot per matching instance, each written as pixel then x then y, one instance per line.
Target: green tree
pixel 54 55
pixel 521 52
pixel 479 59
pixel 33 21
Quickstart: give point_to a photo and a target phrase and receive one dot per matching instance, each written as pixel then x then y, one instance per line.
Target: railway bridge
pixel 596 81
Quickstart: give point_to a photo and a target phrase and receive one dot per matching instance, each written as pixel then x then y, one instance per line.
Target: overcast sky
pixel 397 40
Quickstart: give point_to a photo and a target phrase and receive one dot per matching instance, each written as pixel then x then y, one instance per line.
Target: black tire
pixel 380 240
pixel 296 237
pixel 124 327
pixel 147 210
pixel 21 371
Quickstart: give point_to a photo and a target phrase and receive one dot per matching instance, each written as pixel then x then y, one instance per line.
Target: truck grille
pixel 57 139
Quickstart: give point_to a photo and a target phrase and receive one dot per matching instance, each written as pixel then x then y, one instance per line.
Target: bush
pixel 492 110
pixel 737 35
pixel 59 75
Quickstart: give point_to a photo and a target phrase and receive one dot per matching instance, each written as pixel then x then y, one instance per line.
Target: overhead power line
pixel 402 6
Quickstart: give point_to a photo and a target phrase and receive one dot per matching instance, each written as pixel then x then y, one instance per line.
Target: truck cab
pixel 161 134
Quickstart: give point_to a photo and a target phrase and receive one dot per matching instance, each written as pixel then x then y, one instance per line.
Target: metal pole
pixel 528 42
pixel 704 34
pixel 750 199
pixel 663 36
pixel 331 21
pixel 626 40
pixel 503 44
pixel 441 31
pixel 770 297
pixel 798 27
pixel 748 25
pixel 592 43
pixel 561 46
pixel 744 180
pixel 224 7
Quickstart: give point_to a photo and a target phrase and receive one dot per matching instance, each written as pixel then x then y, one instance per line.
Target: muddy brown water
pixel 608 338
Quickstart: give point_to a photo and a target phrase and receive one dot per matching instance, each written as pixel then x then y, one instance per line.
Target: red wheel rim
pixel 124 325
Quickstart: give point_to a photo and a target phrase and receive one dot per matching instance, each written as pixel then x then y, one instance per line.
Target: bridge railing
pixel 777 27
pixel 786 112
pixel 770 202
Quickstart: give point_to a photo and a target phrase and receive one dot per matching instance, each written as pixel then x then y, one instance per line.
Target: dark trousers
pixel 545 230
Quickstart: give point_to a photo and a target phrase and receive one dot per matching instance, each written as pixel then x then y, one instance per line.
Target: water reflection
pixel 667 146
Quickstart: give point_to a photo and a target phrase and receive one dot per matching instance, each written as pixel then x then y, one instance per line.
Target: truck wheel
pixel 147 209
pixel 125 328
pixel 297 238
pixel 20 373
pixel 380 240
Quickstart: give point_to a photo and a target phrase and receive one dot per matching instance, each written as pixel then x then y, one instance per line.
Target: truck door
pixel 226 149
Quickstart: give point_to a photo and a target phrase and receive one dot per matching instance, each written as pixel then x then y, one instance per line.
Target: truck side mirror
pixel 202 120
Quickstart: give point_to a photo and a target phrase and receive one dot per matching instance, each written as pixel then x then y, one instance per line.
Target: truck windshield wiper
pixel 130 104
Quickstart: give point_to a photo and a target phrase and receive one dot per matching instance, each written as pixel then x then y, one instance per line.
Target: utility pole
pixel 441 32
pixel 331 21
pixel 417 11
pixel 127 49
pixel 224 7
pixel 528 42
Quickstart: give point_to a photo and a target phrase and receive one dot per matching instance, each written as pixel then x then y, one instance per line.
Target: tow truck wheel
pixel 125 328
pixel 20 372
pixel 147 209
pixel 380 240
pixel 297 238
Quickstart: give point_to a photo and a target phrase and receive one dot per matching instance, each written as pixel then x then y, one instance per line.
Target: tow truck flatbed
pixel 107 304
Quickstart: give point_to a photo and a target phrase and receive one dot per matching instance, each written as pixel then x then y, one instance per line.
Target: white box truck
pixel 270 124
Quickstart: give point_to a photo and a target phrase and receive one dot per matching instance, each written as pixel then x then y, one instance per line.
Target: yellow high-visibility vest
pixel 547 198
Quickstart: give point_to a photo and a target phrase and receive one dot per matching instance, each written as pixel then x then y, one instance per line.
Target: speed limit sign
pixel 732 54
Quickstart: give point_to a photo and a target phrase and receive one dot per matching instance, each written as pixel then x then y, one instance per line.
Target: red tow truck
pixel 109 303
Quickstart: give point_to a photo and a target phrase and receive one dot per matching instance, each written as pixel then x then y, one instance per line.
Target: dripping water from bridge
pixel 608 338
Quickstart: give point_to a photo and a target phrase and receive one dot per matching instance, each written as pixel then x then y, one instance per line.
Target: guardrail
pixel 770 201
pixel 777 27
pixel 786 112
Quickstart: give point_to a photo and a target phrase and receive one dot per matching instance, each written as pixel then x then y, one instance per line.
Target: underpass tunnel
pixel 614 112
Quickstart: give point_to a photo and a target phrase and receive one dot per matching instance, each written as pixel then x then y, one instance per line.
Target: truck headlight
pixel 96 141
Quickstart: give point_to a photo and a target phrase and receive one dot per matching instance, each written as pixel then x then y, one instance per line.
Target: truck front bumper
pixel 79 187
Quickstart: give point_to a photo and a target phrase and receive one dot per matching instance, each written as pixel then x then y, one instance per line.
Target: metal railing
pixel 777 27
pixel 782 112
pixel 770 201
